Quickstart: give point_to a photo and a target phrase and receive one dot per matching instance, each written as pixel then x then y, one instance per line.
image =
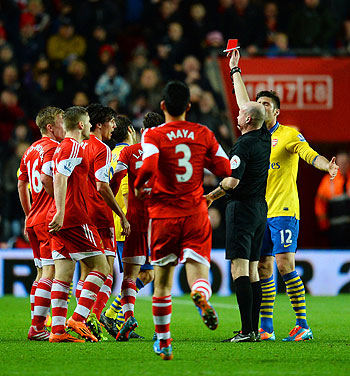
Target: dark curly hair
pixel 270 94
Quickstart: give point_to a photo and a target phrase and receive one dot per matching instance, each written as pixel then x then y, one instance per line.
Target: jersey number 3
pixel 184 162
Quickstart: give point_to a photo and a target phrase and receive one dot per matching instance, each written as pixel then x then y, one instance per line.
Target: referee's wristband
pixel 232 72
pixel 220 185
pixel 235 70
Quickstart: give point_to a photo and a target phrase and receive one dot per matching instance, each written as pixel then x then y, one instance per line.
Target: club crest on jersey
pixel 301 137
pixel 235 162
pixel 274 142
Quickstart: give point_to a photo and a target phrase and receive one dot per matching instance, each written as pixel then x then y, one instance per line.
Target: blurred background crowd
pixel 121 52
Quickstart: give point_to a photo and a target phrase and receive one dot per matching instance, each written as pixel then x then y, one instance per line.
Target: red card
pixel 231 45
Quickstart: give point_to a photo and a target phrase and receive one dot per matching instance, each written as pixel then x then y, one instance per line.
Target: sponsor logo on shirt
pixel 274 142
pixel 301 137
pixel 235 162
pixel 68 167
pixel 274 166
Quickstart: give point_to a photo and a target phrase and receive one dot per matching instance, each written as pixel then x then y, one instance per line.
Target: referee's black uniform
pixel 246 209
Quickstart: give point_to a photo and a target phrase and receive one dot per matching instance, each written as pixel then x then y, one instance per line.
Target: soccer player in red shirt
pixel 101 201
pixel 35 169
pixel 74 237
pixel 177 153
pixel 135 251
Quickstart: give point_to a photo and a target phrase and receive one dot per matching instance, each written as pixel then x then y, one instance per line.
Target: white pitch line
pixel 188 302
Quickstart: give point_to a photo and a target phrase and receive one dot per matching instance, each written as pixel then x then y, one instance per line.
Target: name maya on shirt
pixel 180 133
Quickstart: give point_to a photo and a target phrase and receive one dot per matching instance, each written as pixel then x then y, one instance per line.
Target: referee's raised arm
pixel 239 88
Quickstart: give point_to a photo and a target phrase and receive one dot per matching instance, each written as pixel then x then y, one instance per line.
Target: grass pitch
pixel 197 350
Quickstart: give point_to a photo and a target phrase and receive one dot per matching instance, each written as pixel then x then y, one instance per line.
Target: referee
pixel 246 213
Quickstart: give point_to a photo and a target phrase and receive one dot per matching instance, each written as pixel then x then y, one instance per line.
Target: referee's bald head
pixel 256 112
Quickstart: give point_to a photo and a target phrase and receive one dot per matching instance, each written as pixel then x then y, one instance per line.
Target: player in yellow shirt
pixel 282 227
pixel 124 135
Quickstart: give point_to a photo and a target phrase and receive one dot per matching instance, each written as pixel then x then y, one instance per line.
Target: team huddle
pixel 143 203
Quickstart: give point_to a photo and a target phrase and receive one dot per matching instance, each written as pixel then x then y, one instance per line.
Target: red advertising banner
pixel 314 92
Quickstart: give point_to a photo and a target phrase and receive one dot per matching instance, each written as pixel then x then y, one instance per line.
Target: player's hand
pixel 209 200
pixel 25 233
pixel 56 223
pixel 234 58
pixel 133 134
pixel 333 168
pixel 125 226
pixel 140 193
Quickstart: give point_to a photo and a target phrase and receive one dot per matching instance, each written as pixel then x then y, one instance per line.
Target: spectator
pixel 80 98
pixel 10 113
pixel 208 115
pixel 12 211
pixel 136 66
pixel 42 93
pixel 311 26
pixel 10 78
pixel 100 12
pixel 150 86
pixel 21 133
pixel 110 84
pixel 65 45
pixel 192 73
pixel 76 79
pixel 171 50
pixel 272 22
pixel 343 42
pixel 280 46
pixel 30 44
pixel 197 27
pixel 332 204
pixel 6 56
pixel 243 20
pixel 35 16
pixel 101 48
pixel 139 109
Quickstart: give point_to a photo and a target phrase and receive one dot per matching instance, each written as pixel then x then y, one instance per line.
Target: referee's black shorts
pixel 245 227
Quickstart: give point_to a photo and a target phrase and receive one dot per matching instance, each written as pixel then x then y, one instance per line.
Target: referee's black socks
pixel 244 294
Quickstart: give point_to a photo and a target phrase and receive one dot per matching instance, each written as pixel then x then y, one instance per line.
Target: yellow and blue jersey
pixel 288 145
pixel 123 190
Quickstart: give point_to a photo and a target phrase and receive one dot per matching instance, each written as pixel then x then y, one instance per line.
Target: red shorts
pixel 135 249
pixel 76 243
pixel 40 242
pixel 107 236
pixel 180 238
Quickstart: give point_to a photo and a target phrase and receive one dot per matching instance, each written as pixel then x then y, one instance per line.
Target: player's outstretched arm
pixel 24 197
pixel 324 164
pixel 106 192
pixel 116 179
pixel 149 165
pixel 225 186
pixel 60 192
pixel 241 93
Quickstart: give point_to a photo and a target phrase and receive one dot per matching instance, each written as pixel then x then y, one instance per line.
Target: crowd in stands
pixel 121 52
